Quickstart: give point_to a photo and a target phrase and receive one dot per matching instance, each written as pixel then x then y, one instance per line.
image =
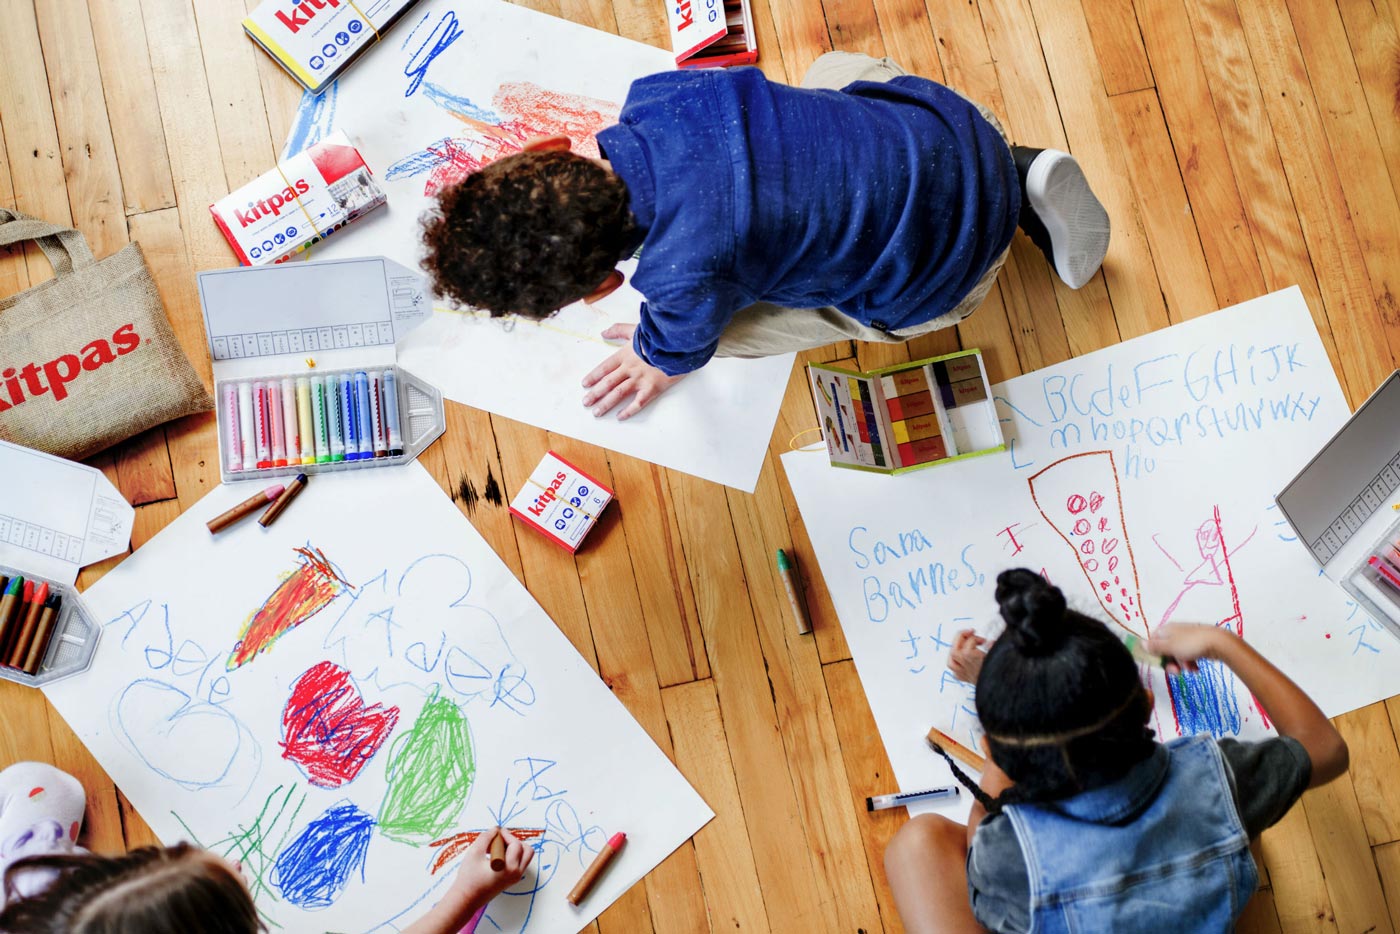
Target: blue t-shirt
pixel 888 200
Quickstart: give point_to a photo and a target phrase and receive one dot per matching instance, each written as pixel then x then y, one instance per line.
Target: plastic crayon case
pixel 65 649
pixel 318 421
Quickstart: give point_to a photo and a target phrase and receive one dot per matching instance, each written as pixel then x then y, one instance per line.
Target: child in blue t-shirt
pixel 1084 822
pixel 868 204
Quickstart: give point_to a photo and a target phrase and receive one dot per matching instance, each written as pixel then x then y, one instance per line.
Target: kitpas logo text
pixel 18 384
pixel 303 12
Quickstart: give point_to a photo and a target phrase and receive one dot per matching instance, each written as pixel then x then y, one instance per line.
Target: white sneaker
pixel 1076 221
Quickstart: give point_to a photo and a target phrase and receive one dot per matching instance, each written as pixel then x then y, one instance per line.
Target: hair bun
pixel 1034 611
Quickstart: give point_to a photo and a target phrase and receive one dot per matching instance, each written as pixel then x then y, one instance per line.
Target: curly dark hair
pixel 529 234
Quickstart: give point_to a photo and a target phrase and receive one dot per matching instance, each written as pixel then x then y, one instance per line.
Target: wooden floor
pixel 1241 146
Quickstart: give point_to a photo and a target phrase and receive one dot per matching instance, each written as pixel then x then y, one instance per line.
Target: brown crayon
pixel 247 507
pixel 283 501
pixel 43 635
pixel 12 609
pixel 498 852
pixel 596 868
pixel 938 739
pixel 19 647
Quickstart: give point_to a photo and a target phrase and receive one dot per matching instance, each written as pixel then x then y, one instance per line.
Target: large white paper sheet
pixel 460 83
pixel 1141 480
pixel 335 700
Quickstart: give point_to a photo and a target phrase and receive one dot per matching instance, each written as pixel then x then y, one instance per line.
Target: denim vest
pixel 1161 849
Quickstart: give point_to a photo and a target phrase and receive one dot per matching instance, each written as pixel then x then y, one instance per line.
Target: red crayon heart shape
pixel 327 730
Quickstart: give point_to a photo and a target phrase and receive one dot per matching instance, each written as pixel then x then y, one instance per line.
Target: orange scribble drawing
pixel 522 110
pixel 453 846
pixel 302 594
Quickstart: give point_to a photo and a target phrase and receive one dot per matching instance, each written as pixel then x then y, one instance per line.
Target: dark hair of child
pixel 529 234
pixel 1059 697
pixel 150 890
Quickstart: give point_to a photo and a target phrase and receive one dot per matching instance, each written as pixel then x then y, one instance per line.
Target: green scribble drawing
pixel 429 774
pixel 250 845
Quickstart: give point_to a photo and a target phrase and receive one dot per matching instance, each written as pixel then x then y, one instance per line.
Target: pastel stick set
pixel 909 416
pixel 306 379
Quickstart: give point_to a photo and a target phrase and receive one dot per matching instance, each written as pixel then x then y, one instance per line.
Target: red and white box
pixel 561 501
pixel 305 199
pixel 712 33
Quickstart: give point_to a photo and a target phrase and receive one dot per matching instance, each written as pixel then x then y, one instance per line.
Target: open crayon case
pixel 304 367
pixel 1343 505
pixel 57 647
pixel 57 516
pixel 909 416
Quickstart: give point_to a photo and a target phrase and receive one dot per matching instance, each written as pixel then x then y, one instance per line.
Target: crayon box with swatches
pixel 909 416
pixel 56 517
pixel 305 372
pixel 1344 506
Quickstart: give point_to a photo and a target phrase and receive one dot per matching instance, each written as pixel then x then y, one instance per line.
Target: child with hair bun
pixel 1083 821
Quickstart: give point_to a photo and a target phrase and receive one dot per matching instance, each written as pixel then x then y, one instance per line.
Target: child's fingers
pixel 609 402
pixel 640 401
pixel 617 331
pixel 555 143
pixel 604 385
pixel 603 369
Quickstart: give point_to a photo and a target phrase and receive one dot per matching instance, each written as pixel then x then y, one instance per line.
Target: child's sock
pixel 1060 213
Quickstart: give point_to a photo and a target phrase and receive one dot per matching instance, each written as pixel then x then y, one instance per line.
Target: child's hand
pixel 477 881
pixel 624 374
pixel 1188 643
pixel 966 656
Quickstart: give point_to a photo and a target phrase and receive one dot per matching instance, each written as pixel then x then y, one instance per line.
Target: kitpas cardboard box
pixel 305 199
pixel 56 517
pixel 316 40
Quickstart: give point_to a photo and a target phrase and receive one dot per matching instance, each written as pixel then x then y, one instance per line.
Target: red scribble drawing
pixel 1212 577
pixel 301 595
pixel 523 110
pixel 453 846
pixel 327 730
pixel 1080 497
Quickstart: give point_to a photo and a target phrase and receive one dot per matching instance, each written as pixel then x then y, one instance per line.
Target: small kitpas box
pixel 561 501
pixel 909 416
pixel 712 33
pixel 316 40
pixel 304 199
pixel 304 367
pixel 56 517
pixel 1341 505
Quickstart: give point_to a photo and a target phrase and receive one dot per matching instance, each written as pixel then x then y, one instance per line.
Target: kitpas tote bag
pixel 87 358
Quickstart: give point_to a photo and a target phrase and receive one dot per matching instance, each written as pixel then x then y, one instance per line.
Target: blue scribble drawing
pixel 430 596
pixel 1364 627
pixel 443 33
pixel 315 868
pixel 1205 701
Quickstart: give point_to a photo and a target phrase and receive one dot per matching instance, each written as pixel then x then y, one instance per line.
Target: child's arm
pixel 1293 713
pixel 476 884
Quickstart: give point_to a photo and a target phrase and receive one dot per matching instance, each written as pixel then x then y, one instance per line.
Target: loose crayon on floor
pixel 276 425
pixel 43 635
pixel 793 586
pixel 247 429
pixel 334 424
pixel 306 421
pixel 233 439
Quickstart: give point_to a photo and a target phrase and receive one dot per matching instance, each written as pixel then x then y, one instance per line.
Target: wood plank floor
pixel 1240 145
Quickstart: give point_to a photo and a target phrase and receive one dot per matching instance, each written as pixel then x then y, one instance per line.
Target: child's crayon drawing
pixel 430 773
pixel 326 728
pixel 302 594
pixel 315 867
pixel 523 110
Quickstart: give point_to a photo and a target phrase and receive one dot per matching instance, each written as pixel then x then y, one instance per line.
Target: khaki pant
pixel 763 329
